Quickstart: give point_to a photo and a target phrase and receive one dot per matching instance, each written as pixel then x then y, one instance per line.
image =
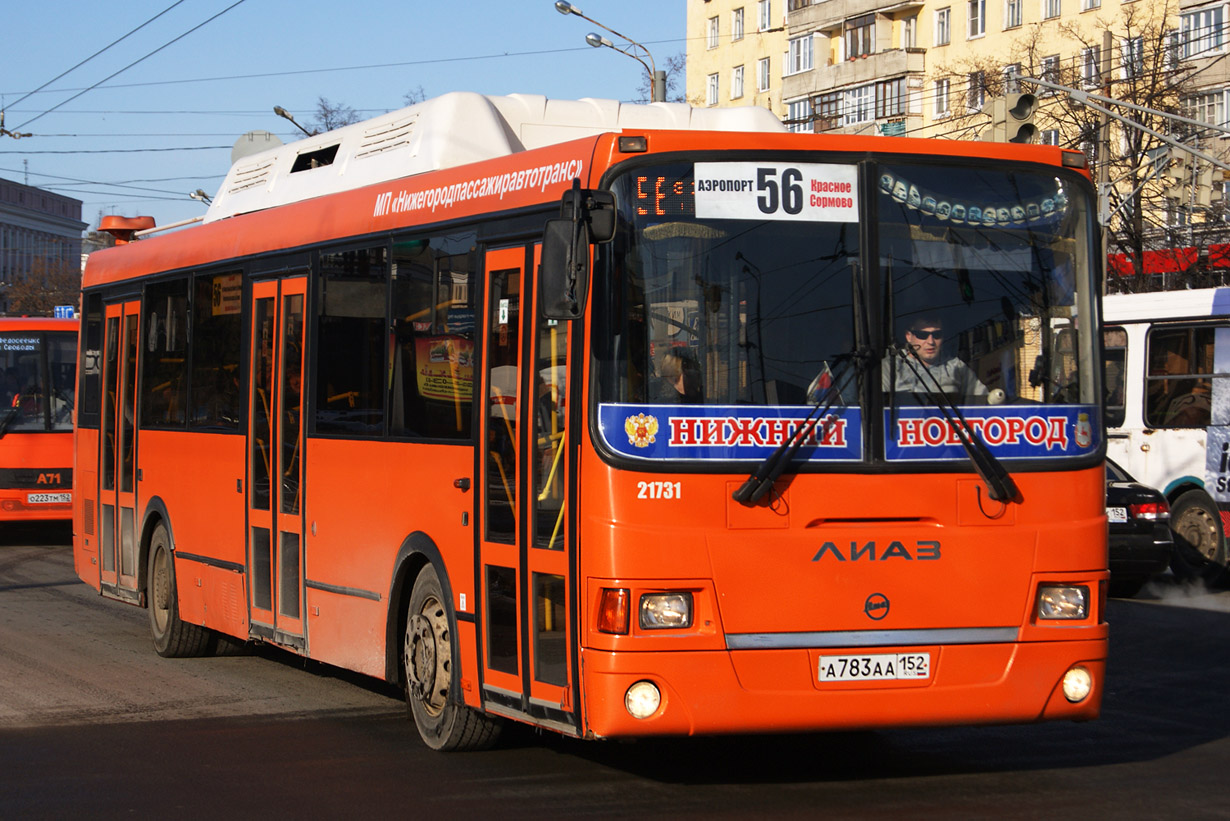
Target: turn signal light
pixel 613 610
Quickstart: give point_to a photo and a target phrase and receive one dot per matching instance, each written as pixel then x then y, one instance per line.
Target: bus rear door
pixel 525 585
pixel 118 453
pixel 275 466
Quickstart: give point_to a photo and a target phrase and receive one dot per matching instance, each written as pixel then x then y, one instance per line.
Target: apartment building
pixel 736 53
pixel 37 228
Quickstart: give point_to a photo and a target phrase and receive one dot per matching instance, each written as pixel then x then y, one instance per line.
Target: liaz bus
pixel 37 385
pixel 1167 359
pixel 615 420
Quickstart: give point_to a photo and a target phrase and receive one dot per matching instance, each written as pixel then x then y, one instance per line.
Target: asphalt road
pixel 93 723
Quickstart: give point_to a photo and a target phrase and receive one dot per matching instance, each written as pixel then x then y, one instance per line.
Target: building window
pixel 1050 9
pixel 1132 57
pixel 711 90
pixel 764 19
pixel 736 24
pixel 909 32
pixel 1208 107
pixel 942 88
pixel 977 95
pixel 763 77
pixel 801 56
pixel 1011 84
pixel 711 40
pixel 828 111
pixel 1050 72
pixel 1091 66
pixel 1090 5
pixel 859 105
pixel 1202 34
pixel 943 34
pixel 860 36
pixel 736 83
pixel 977 18
pixel 798 115
pixel 1049 137
pixel 1012 13
pixel 890 98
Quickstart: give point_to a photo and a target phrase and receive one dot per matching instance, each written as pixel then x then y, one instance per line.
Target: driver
pixel 925 337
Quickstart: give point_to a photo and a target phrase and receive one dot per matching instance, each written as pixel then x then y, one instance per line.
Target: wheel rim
pixel 1197 528
pixel 160 584
pixel 428 652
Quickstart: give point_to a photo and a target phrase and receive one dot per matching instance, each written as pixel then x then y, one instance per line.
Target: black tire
pixel 172 638
pixel 428 661
pixel 1200 544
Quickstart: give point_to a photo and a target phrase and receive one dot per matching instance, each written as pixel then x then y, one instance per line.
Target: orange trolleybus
pixel 616 420
pixel 37 384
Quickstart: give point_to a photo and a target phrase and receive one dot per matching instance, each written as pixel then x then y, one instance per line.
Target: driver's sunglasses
pixel 925 335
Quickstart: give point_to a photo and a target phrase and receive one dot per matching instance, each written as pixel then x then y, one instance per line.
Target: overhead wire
pixel 133 63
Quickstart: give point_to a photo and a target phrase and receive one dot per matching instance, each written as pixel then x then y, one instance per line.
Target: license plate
pixel 1116 514
pixel 49 498
pixel 876 667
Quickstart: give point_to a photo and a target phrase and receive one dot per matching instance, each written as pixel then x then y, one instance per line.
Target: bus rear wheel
pixel 1200 545
pixel 173 638
pixel 428 658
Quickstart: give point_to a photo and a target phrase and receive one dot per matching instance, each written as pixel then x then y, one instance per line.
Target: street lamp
pixel 285 115
pixel 634 50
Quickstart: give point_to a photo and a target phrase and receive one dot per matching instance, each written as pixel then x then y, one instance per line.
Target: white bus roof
pixel 1201 302
pixel 444 132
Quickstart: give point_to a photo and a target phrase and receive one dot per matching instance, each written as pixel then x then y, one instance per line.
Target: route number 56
pixel 786 194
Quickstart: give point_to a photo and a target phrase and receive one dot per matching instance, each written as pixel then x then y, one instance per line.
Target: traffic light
pixel 1178 175
pixel 1012 119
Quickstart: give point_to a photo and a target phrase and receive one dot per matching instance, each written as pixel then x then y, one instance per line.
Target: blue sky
pixel 138 142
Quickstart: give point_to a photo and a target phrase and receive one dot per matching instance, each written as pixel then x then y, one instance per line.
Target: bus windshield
pixel 972 289
pixel 36 369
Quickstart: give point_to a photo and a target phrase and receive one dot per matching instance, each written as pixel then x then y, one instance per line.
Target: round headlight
pixel 1077 684
pixel 642 699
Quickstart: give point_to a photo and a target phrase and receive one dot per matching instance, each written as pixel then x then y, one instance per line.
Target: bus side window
pixel 1114 375
pixel 351 333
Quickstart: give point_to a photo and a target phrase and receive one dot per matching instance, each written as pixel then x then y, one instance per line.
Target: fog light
pixel 1077 684
pixel 1063 602
pixel 662 611
pixel 642 699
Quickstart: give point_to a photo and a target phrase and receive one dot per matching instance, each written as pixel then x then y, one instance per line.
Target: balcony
pixel 882 66
pixel 832 12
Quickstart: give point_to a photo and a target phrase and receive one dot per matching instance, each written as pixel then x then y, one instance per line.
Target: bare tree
pixel 331 115
pixel 49 282
pixel 1145 71
pixel 675 68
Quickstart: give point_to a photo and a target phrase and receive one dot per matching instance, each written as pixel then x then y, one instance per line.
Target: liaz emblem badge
pixel 642 429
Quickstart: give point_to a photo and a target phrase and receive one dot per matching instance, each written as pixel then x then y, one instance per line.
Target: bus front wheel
pixel 429 662
pixel 1200 545
pixel 173 638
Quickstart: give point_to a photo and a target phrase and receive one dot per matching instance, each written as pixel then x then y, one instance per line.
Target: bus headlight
pixel 642 699
pixel 1063 602
pixel 1077 684
pixel 664 611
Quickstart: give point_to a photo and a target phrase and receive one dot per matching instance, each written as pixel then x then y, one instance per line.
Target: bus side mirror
pixel 564 273
pixel 585 216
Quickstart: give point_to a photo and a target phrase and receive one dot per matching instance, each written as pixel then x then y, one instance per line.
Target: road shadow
pixel 37 534
pixel 1163 696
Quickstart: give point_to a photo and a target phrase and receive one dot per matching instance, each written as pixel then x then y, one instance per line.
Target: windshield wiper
pixel 1000 486
pixel 761 481
pixel 10 415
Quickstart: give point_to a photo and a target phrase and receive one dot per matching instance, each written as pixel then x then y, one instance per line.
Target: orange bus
pixel 616 420
pixel 38 377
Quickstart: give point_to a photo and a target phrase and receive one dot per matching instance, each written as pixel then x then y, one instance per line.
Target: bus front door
pixel 275 466
pixel 525 587
pixel 117 497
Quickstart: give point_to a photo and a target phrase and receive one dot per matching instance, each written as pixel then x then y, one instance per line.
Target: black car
pixel 1140 541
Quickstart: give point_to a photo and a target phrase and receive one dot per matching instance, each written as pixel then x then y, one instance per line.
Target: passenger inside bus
pixel 680 375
